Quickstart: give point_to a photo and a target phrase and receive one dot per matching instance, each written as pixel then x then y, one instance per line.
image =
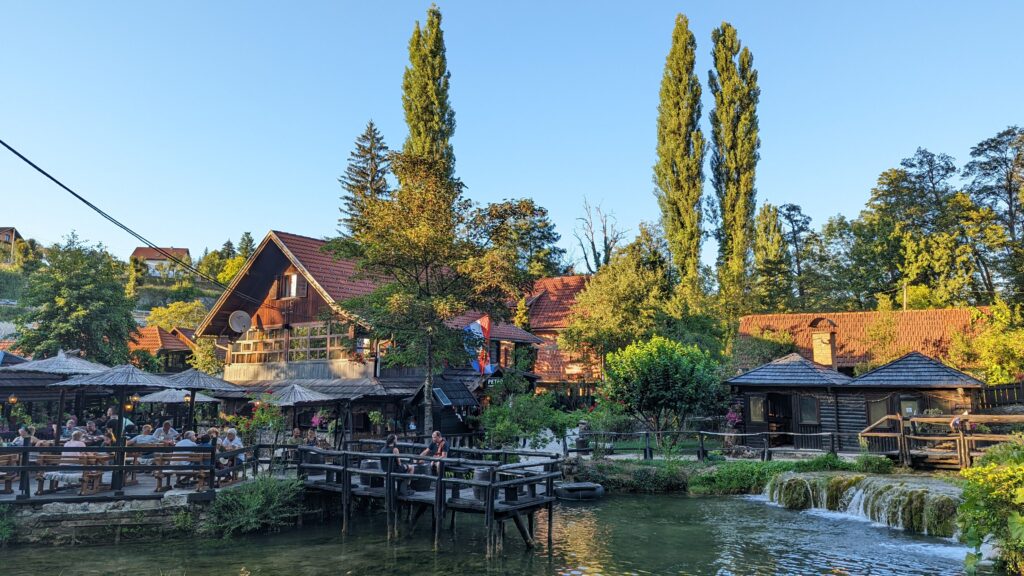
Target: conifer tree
pixel 678 173
pixel 428 114
pixel 246 245
pixel 735 143
pixel 228 250
pixel 366 175
pixel 773 275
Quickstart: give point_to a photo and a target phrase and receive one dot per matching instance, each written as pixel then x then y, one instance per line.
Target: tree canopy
pixel 177 314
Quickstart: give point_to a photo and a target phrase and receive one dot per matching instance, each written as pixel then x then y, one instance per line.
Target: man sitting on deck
pixel 188 439
pixel 438 447
pixel 166 433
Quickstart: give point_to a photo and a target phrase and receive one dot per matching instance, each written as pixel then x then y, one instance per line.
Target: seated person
pixel 146 437
pixel 68 430
pixel 26 437
pixel 112 420
pixel 231 441
pixel 188 439
pixel 166 434
pixel 393 464
pixel 311 438
pixel 438 447
pixel 93 436
pixel 75 442
pixel 296 438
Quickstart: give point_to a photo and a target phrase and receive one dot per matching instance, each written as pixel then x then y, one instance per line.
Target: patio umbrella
pixel 193 380
pixel 60 365
pixel 294 395
pixel 176 396
pixel 121 379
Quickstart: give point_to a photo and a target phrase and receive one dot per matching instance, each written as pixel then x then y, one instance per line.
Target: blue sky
pixel 193 122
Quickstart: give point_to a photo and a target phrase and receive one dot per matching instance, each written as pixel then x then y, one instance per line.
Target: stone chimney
pixel 823 342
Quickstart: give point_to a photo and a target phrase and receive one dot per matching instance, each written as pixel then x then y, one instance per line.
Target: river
pixel 678 535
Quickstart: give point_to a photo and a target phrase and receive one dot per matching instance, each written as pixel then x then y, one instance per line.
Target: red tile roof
pixel 926 331
pixel 153 339
pixel 499 330
pixel 552 299
pixel 146 253
pixel 333 275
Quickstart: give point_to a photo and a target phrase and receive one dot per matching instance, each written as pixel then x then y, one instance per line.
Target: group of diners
pixel 438 448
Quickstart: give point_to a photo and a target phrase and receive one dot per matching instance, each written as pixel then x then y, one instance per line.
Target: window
pixel 442 397
pixel 910 407
pixel 757 408
pixel 291 286
pixel 877 409
pixel 808 410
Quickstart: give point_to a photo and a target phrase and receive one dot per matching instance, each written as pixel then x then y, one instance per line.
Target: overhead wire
pixel 183 264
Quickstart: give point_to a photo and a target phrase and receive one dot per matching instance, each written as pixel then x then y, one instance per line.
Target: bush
pixel 751 477
pixel 6 524
pixel 636 475
pixel 873 464
pixel 263 505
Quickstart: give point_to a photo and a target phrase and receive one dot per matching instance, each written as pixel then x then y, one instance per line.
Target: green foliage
pixel 177 314
pixel 993 500
pixel 750 477
pixel 992 348
pixel 761 348
pixel 185 522
pixel 12 283
pixel 644 476
pixel 734 148
pixel 660 382
pixel 262 505
pixel 232 266
pixel 524 416
pixel 246 245
pixel 77 302
pixel 145 360
pixel 211 264
pixel 773 273
pixel 523 229
pixel 366 175
pixel 678 173
pixel 873 464
pixel 428 114
pixel 204 357
pixel 7 525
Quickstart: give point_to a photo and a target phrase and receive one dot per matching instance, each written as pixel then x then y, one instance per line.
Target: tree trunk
pixel 428 388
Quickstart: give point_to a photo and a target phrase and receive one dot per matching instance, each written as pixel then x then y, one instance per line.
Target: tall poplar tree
pixel 678 173
pixel 366 175
pixel 428 114
pixel 735 143
pixel 773 273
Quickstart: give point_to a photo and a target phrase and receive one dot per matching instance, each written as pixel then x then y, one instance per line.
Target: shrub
pixel 992 508
pixel 737 477
pixel 636 476
pixel 6 524
pixel 873 464
pixel 263 505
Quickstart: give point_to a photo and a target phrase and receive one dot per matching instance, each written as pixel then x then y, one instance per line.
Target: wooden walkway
pixel 481 482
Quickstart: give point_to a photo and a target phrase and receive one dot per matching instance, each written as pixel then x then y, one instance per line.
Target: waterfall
pixel 919 504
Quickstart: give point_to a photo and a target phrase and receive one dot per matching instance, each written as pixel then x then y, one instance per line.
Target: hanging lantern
pixel 128 406
pixel 135 398
pixel 12 399
pixel 188 397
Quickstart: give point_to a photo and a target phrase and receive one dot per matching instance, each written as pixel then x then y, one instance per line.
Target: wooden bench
pixel 163 477
pixel 89 481
pixel 8 478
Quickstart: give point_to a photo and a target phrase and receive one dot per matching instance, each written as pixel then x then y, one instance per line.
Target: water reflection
pixel 621 535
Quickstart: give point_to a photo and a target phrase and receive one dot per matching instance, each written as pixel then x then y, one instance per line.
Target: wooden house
pixel 287 301
pixel 794 395
pixel 9 237
pixel 156 261
pixel 169 350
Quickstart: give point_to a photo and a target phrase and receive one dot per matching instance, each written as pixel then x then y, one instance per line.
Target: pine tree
pixel 735 143
pixel 773 274
pixel 678 173
pixel 246 245
pixel 228 249
pixel 428 114
pixel 797 228
pixel 365 176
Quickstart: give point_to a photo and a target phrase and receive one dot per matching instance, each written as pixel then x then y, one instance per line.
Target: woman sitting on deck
pixel 393 464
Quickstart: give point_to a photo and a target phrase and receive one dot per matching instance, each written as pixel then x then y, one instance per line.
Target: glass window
pixel 910 407
pixel 757 408
pixel 877 409
pixel 808 410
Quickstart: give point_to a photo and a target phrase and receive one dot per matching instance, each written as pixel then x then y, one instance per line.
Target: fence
pixel 698 443
pixel 1000 395
pixel 952 441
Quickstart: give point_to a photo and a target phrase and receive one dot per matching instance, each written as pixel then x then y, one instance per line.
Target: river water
pixel 678 535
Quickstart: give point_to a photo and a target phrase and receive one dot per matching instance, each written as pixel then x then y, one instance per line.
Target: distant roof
pixel 456 385
pixel 147 253
pixel 926 331
pixel 336 388
pixel 915 370
pixel 790 370
pixel 551 300
pixel 9 229
pixel 61 364
pixel 499 330
pixel 155 339
pixel 10 359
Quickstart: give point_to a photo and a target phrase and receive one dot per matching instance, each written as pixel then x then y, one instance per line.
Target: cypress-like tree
pixel 735 143
pixel 678 173
pixel 773 273
pixel 366 175
pixel 428 114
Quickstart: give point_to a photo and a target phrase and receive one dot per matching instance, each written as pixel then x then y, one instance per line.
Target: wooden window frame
pixel 800 410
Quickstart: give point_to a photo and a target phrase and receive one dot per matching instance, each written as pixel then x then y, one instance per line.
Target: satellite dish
pixel 239 321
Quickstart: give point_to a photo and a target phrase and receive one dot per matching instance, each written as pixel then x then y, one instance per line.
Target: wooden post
pixel 389 501
pixel 26 489
pixel 213 467
pixel 439 505
pixel 647 446
pixel 766 454
pixel 489 517
pixel 346 493
pixel 832 442
pixel 549 491
pixel 701 453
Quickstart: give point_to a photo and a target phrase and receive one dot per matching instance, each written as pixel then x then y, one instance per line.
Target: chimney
pixel 823 342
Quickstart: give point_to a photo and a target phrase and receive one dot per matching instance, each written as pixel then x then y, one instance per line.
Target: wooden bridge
pixel 946 441
pixel 501 485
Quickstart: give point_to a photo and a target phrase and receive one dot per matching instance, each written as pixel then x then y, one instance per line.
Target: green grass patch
pixel 646 476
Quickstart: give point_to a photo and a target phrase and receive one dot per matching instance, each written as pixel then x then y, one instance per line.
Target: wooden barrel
pixel 366 479
pixel 421 484
pixel 483 474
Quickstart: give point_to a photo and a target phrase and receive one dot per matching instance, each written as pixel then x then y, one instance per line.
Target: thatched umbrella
pixel 295 395
pixel 60 365
pixel 193 380
pixel 121 379
pixel 176 396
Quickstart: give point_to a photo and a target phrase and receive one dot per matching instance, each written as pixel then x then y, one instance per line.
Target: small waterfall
pixel 913 503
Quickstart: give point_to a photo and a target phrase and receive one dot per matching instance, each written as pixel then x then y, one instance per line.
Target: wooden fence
pixel 949 441
pixel 1000 395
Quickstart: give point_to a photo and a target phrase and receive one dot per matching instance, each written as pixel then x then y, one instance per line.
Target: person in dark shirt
pixel 438 447
pixel 393 464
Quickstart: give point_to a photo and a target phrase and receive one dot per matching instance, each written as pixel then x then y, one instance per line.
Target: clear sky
pixel 195 121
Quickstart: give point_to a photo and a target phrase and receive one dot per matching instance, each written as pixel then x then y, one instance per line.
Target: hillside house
pixel 158 264
pixel 9 237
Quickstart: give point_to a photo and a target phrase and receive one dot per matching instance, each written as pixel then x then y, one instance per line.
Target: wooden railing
pixel 945 440
pixel 1000 395
pixel 697 443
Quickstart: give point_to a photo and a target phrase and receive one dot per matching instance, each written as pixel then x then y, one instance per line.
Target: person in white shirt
pixel 166 433
pixel 231 441
pixel 187 440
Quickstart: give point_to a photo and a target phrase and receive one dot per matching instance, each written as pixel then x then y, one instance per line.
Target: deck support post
pixel 523 530
pixel 701 452
pixel 346 493
pixel 439 505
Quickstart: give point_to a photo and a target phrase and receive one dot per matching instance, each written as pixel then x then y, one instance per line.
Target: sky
pixel 193 122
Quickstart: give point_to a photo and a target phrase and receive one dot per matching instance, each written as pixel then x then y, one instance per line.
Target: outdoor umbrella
pixel 175 396
pixel 121 379
pixel 193 380
pixel 294 395
pixel 60 365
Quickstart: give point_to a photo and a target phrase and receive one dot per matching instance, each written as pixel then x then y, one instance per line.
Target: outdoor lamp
pixel 135 398
pixel 188 397
pixel 12 399
pixel 128 406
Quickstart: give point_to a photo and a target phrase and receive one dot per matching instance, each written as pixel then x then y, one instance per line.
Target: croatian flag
pixel 481 330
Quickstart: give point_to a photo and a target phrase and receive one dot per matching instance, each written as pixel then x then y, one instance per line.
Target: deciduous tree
pixel 177 314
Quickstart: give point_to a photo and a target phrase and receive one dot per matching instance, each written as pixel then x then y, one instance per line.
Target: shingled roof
pixel 147 253
pixel 926 331
pixel 790 370
pixel 915 370
pixel 155 339
pixel 551 300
